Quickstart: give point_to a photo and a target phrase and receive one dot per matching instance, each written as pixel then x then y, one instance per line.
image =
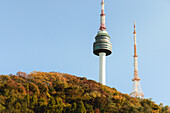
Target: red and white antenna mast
pixel 102 17
pixel 136 91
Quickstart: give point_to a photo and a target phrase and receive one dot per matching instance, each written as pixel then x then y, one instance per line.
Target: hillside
pixel 41 92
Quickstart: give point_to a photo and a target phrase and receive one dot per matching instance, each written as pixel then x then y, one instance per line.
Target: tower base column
pixel 102 68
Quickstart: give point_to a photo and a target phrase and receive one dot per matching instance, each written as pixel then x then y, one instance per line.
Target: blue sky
pixel 57 35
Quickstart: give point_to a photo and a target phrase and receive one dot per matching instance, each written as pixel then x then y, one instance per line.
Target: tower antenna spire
pixel 136 91
pixel 102 17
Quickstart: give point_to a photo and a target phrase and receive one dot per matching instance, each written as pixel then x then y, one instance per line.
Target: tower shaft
pixel 136 91
pixel 102 68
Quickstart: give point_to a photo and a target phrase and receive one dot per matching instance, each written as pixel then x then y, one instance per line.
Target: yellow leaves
pixel 95 94
pixel 119 99
pixel 43 101
pixel 48 94
pixel 87 96
pixel 2 99
pixel 4 78
pixel 21 89
pixel 34 88
pixel 2 107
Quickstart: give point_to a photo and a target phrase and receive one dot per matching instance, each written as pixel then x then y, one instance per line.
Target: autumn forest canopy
pixel 42 92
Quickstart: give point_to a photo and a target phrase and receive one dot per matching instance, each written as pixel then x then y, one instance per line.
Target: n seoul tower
pixel 102 46
pixel 136 91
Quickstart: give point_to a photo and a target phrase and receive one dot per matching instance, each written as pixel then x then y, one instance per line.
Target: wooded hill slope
pixel 41 92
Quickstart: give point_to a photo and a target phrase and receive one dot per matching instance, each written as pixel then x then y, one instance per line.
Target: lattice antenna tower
pixel 136 90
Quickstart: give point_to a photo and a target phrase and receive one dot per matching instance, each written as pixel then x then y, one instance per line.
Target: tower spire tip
pixel 134 28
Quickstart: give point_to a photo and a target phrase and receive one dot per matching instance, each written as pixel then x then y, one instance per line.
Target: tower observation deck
pixel 102 46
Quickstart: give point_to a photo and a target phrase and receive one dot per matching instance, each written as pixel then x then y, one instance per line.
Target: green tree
pixel 81 108
pixel 34 103
pixel 100 102
pixel 42 104
pixel 73 107
pixel 2 108
pixel 89 108
pixel 59 105
pixel 147 108
pixel 52 105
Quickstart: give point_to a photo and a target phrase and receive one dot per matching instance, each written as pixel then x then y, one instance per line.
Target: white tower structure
pixel 136 91
pixel 102 46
